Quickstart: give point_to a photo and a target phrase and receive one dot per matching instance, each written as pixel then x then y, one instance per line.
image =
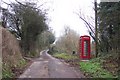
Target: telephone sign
pixel 84 47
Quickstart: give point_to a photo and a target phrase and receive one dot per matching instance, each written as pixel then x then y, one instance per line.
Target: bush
pixel 52 49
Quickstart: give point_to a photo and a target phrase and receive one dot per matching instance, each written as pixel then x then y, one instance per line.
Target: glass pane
pixel 85 48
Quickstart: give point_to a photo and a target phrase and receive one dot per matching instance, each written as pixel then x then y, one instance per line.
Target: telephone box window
pixel 85 48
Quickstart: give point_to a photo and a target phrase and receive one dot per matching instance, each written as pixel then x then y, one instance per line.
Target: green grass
pixel 65 56
pixel 6 70
pixel 94 69
pixel 22 63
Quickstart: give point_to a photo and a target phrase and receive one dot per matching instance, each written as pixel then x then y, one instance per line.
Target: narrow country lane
pixel 49 67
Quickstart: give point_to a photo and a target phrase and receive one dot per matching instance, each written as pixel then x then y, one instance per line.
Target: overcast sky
pixel 62 13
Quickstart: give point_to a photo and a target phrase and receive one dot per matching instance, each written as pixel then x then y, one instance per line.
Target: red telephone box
pixel 84 47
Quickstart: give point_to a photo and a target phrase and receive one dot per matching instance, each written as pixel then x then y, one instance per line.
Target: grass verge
pixel 94 69
pixel 65 56
pixel 10 71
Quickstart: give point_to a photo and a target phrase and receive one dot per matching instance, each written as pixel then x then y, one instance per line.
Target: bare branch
pixel 6 3
pixel 88 24
pixel 41 5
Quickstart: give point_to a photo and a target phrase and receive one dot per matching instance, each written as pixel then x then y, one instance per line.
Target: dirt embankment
pixel 11 54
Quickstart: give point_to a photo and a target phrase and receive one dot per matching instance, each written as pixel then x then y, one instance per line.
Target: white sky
pixel 61 13
pixel 64 14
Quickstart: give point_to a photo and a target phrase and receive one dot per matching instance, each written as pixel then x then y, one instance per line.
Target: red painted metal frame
pixel 81 47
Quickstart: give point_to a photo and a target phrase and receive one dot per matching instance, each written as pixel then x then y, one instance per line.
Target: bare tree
pixel 68 42
pixel 90 22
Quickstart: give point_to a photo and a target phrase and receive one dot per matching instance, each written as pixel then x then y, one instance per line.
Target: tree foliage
pixel 109 26
pixel 45 39
pixel 26 21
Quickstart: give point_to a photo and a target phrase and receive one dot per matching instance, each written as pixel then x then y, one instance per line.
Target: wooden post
pixel 96 30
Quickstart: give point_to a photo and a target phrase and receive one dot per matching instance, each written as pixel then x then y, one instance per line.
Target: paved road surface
pixel 49 67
